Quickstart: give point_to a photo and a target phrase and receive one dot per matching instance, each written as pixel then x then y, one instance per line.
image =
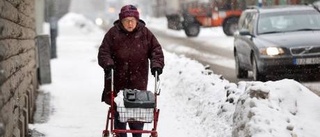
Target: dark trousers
pixel 121 125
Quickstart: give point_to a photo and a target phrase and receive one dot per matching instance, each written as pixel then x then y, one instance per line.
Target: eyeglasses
pixel 127 21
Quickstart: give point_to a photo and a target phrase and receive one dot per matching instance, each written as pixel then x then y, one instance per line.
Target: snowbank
pixel 281 108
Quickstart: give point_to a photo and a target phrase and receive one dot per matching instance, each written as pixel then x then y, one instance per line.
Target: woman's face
pixel 129 23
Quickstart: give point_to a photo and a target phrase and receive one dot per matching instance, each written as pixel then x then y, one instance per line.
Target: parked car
pixel 278 40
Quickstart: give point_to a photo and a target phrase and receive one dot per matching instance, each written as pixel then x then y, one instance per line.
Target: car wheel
pixel 257 76
pixel 192 29
pixel 240 72
pixel 231 26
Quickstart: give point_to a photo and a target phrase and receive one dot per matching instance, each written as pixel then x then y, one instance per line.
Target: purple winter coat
pixel 130 53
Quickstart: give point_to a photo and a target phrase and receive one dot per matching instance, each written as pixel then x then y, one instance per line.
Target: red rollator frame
pixel 112 132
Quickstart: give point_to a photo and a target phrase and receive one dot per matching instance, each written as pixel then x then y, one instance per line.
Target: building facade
pixel 18 66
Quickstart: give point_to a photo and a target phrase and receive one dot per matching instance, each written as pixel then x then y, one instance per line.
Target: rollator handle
pixel 156 87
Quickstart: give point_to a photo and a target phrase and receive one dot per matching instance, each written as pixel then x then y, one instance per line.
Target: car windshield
pixel 288 22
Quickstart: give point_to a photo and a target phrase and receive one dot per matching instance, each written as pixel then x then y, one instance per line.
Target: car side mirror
pixel 244 32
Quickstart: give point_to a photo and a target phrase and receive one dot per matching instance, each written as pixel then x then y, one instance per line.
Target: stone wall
pixel 18 66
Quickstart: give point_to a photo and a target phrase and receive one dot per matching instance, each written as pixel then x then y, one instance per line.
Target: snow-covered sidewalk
pixel 193 100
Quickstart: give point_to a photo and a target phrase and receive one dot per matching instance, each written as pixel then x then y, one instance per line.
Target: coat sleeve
pixel 156 54
pixel 105 55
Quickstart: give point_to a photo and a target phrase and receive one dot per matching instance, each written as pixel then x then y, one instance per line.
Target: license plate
pixel 306 61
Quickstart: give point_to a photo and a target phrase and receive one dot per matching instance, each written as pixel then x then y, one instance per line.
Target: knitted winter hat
pixel 129 11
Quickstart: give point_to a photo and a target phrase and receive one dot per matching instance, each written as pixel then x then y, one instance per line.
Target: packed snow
pixel 193 100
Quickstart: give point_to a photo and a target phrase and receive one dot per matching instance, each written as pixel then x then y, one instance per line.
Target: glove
pixel 156 69
pixel 106 97
pixel 107 71
pixel 109 67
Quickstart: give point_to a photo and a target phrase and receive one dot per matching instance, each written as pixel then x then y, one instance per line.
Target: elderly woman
pixel 127 48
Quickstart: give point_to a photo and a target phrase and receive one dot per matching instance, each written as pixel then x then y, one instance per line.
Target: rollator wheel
pixel 154 135
pixel 105 134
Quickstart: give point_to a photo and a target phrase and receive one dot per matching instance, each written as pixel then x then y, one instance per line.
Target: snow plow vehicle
pixel 193 15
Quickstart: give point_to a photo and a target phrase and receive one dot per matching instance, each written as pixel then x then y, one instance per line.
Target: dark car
pixel 273 41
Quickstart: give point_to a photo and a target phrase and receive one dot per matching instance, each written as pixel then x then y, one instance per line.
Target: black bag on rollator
pixel 134 98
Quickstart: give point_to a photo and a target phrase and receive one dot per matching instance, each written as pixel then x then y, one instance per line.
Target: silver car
pixel 277 41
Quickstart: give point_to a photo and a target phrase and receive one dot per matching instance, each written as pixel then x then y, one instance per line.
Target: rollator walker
pixel 142 115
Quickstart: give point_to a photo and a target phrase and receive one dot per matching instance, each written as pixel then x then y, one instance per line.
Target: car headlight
pixel 271 51
pixel 99 21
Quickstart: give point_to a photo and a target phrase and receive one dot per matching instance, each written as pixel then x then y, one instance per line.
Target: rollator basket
pixel 144 115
